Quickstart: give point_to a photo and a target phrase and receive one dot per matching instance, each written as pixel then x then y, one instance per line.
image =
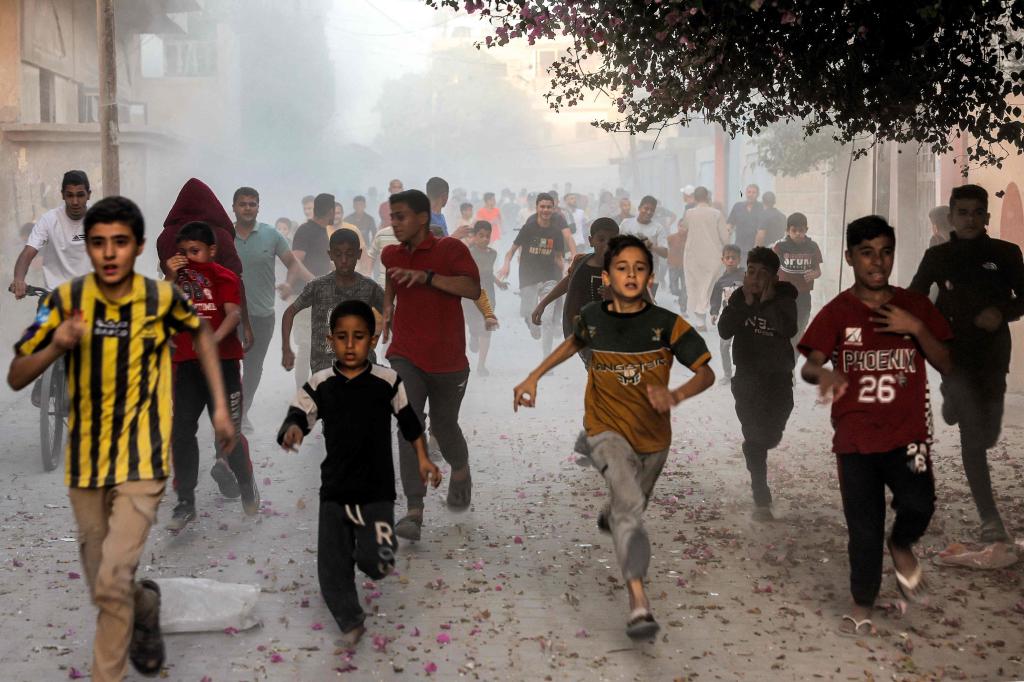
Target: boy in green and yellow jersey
pixel 628 401
pixel 112 329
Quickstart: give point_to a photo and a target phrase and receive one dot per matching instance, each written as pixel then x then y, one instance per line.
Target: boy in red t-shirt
pixel 215 292
pixel 877 338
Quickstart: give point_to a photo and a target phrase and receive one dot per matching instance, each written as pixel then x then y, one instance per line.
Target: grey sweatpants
pixel 631 478
pixel 444 392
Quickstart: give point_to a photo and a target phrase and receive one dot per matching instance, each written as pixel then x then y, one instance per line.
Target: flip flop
pixel 857 625
pixel 641 624
pixel 912 587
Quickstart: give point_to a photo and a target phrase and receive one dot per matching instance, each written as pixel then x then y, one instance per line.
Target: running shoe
pixel 225 478
pixel 184 512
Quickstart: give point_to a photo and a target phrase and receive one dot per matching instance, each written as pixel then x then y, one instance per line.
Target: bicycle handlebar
pixel 35 291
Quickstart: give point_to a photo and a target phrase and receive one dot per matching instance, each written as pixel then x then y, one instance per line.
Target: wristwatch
pixel 430 277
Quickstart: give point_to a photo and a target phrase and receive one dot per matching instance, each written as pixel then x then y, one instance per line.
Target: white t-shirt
pixel 61 241
pixel 653 230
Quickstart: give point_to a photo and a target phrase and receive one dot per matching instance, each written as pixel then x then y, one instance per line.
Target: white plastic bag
pixel 204 605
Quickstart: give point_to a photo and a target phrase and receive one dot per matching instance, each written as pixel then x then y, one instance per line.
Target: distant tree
pixel 784 149
pixel 909 71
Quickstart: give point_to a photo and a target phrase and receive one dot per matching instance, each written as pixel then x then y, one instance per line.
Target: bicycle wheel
pixel 51 417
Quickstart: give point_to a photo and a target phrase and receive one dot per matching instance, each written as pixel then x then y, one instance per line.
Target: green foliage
pixel 783 149
pixel 870 70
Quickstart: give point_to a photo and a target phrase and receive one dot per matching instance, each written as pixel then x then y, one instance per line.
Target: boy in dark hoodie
pixel 981 290
pixel 761 317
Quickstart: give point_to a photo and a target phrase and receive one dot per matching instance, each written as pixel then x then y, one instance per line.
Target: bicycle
pixel 53 404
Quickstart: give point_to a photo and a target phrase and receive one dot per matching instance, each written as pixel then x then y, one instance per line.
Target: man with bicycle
pixel 60 236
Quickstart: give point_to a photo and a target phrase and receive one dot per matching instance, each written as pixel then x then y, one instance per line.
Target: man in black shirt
pixel 981 289
pixel 540 268
pixel 773 223
pixel 311 246
pixel 356 401
pixel 361 219
pixel 745 219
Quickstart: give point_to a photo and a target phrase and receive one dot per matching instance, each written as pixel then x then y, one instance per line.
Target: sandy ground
pixel 523 586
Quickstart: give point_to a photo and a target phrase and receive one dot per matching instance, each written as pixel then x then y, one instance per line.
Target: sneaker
pixel 409 527
pixel 460 493
pixel 146 651
pixel 184 512
pixel 351 637
pixel 993 530
pixel 250 495
pixel 226 480
pixel 762 513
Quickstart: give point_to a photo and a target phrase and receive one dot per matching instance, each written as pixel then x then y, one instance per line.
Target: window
pixel 47 97
pixel 189 58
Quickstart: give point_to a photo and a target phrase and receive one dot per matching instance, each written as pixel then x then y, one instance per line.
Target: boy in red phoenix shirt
pixel 877 338
pixel 215 292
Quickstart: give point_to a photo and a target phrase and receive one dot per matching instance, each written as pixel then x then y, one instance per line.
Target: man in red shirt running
pixel 426 279
pixel 877 338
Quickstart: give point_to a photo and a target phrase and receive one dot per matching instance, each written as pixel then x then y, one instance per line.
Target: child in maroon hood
pixel 197 202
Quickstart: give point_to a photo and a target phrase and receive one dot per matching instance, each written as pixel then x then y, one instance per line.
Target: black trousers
pixel 252 365
pixel 764 401
pixel 862 482
pixel 977 399
pixel 351 535
pixel 191 397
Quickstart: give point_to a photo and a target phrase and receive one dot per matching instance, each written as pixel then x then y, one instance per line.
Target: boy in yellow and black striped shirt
pixel 111 329
pixel 628 401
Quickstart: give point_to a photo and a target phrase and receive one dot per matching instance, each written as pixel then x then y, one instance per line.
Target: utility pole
pixel 109 155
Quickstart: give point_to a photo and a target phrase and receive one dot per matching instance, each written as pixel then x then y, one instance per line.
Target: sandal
pixel 641 624
pixel 460 493
pixel 147 646
pixel 912 587
pixel 855 633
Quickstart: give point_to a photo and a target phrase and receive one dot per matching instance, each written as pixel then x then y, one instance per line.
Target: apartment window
pixel 47 97
pixel 189 58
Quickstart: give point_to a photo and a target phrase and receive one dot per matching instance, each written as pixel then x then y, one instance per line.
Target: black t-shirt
pixel 357 416
pixel 539 245
pixel 311 238
pixel 773 222
pixel 745 221
pixel 584 287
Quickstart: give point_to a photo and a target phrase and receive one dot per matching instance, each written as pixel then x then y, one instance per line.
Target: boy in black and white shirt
pixel 356 401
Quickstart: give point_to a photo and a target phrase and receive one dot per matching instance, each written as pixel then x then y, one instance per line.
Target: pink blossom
pixel 276 657
pixel 430 667
pixel 317 626
pixel 444 638
pixel 75 674
pixel 72 575
pixel 517 540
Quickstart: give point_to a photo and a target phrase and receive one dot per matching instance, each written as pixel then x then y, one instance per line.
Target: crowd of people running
pixel 381 309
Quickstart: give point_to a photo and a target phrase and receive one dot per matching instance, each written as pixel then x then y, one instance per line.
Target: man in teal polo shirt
pixel 258 245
